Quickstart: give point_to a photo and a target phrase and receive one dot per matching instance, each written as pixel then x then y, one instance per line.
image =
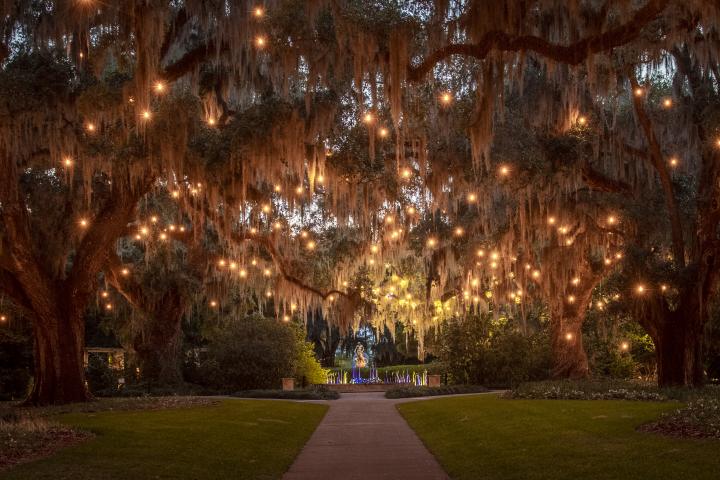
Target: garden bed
pixel 413 391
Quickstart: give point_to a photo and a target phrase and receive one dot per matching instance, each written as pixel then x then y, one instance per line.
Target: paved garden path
pixel 364 437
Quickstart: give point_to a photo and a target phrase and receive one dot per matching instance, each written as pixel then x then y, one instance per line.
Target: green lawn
pixel 238 439
pixel 486 437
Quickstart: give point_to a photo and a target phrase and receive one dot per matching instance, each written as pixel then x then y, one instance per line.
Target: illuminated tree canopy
pixel 380 161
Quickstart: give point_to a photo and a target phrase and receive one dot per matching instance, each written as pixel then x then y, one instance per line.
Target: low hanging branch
pixel 656 160
pixel 572 54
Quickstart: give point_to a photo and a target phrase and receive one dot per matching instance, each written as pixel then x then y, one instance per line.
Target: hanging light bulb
pixel 674 162
pixel 146 115
pixel 431 242
pixel 84 222
pixel 242 273
pixel 213 303
pixel 667 102
pixel 471 198
pixel 640 289
pixel 582 120
pixel 260 41
pixel 258 12
pixel 68 162
pixel 446 98
pixel 211 121
pixel 639 92
pixel 571 299
pixel 383 132
pixel 569 336
pixel 368 118
pixel 159 87
pixel 504 171
pixel 90 127
pixel 459 231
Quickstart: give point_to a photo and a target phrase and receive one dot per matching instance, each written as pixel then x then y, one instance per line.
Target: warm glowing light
pixel 624 346
pixel 233 265
pixel 389 219
pixel 159 87
pixel 383 132
pixel 569 336
pixel 431 242
pixel 475 282
pixel 258 12
pixel 575 281
pixel 551 220
pixel 213 303
pixel 571 299
pixel 286 318
pixel 260 41
pixel 569 242
pixel 277 225
pixel 268 294
pixel 163 236
pixel 299 190
pixel 471 198
pixel 481 253
pixel 639 92
pixel 68 162
pixel 406 173
pixel 663 287
pixel 674 162
pixel 446 98
pixel 667 103
pixel 144 230
pixel 411 210
pixel 90 127
pixel 374 248
pixel 154 219
pixel 504 170
pixel 459 232
pixel 176 194
pixel 3 318
pixel 311 245
pixel 582 120
pixel 211 121
pixel 253 231
pixel 493 265
pixel 253 262
pixel 171 227
pixel 611 220
pixel 494 255
pixel 84 222
pixel 146 115
pixel 242 273
pixel 368 118
pixel 125 272
pixel 104 294
pixel 640 289
pixel 320 179
pixel 108 306
pixel 267 272
pixel 266 208
pixel 536 274
pixel 221 263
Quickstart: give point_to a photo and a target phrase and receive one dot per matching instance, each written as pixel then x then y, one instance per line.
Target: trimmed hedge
pixel 412 391
pixel 306 394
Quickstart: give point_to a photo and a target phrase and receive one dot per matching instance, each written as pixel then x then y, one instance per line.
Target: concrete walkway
pixel 364 437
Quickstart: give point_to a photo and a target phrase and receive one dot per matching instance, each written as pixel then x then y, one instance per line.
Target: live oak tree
pixel 249 111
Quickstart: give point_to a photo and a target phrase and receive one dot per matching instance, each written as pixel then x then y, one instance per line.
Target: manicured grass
pixel 239 439
pixel 486 437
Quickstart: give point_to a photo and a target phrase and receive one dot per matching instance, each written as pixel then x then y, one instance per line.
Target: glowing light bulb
pixel 383 132
pixel 674 162
pixel 68 162
pixel 431 242
pixel 569 336
pixel 299 190
pixel 639 92
pixel 104 294
pixel 504 170
pixel 90 127
pixel 258 12
pixel 176 194
pixel 494 255
pixel 320 179
pixel 242 273
pixel 663 287
pixel 253 262
pixel 253 231
pixel 260 41
pixel 575 281
pixel 125 272
pixel 286 318
pixel 277 225
pixel 389 219
pixel 221 263
pixel 211 121
pixel 154 219
pixel 667 103
pixel 146 115
pixel 374 249
pixel 571 299
pixel 3 318
pixel 368 118
pixel 267 272
pixel 411 210
pixel 551 220
pixel 266 208
pixel 268 294
pixel 446 98
pixel 459 232
pixel 536 274
pixel 406 173
pixel 84 222
pixel 159 87
pixel 471 198
pixel 582 120
pixel 311 245
pixel 233 265
pixel 624 346
pixel 611 220
pixel 108 306
pixel 640 289
pixel 163 236
pixel 213 303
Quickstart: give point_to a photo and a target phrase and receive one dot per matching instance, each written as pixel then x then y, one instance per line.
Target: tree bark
pixel 569 359
pixel 158 345
pixel 59 370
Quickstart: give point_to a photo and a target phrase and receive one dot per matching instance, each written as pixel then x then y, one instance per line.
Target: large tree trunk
pixel 59 370
pixel 678 339
pixel 158 344
pixel 569 359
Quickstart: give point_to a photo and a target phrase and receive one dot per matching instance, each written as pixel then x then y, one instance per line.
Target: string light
pixel 569 336
pixel 159 87
pixel 260 41
pixel 320 179
pixel 471 198
pixel 105 294
pixel 504 170
pixel 611 220
pixel 176 194
pixel 242 273
pixel 90 127
pixel 667 102
pixel 582 120
pixel 84 222
pixel 163 236
pixel 639 92
pixel 663 288
pixel 311 245
pixel 536 274
pixel 459 232
pixel 108 306
pixel 266 208
pixel 286 318
pixel 299 190
pixel 411 210
pixel 267 272
pixel 154 219
pixel 125 272
pixel 374 249
pixel 258 12
pixel 571 299
pixel 383 132
pixel 213 303
pixel 406 173
pixel 481 253
pixel 146 115
pixel 624 346
pixel 211 121
pixel 67 162
pixel 674 162
pixel 575 281
pixel 640 289
pixel 3 318
pixel 431 242
pixel 551 220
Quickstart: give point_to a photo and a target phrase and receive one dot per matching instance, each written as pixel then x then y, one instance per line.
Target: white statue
pixel 360 357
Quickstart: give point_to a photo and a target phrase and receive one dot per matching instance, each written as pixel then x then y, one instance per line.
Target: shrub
pixel 698 419
pixel 609 389
pixel 251 352
pixel 308 370
pixel 412 391
pixel 314 393
pixel 100 376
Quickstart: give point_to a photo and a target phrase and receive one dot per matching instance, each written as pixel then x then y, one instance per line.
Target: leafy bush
pixel 315 393
pixel 100 376
pixel 308 370
pixel 412 391
pixel 251 352
pixel 482 350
